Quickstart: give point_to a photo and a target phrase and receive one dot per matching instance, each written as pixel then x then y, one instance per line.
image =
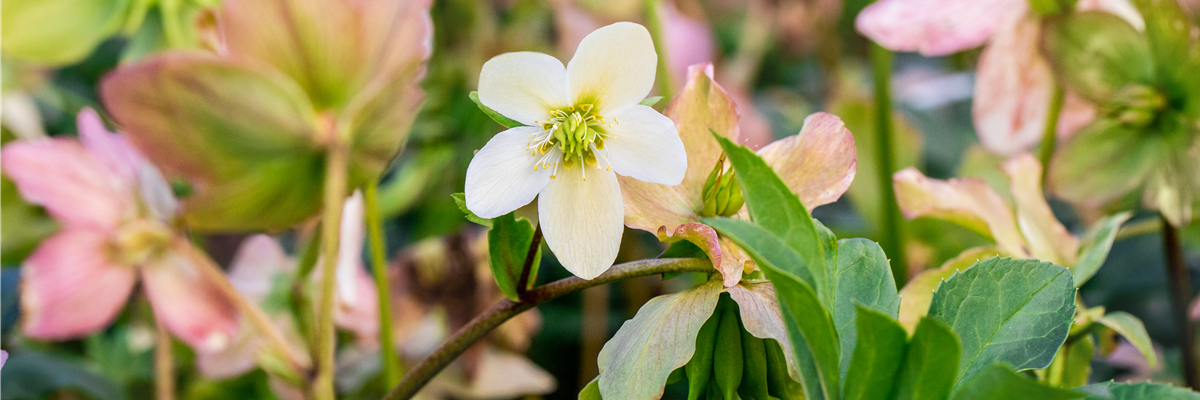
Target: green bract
pixel 250 129
pixel 1148 94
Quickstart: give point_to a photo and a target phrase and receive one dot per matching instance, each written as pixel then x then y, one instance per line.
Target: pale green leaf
pixel 461 201
pixel 1133 330
pixel 1095 245
pixel 649 101
pixel 918 292
pixel 659 339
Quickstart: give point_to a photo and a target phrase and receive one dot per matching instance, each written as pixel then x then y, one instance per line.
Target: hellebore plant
pixel 1014 86
pixel 818 164
pixel 117 224
pixel 1029 231
pixel 576 128
pixel 298 102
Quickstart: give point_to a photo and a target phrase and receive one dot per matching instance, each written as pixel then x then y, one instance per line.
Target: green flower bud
pixel 722 195
pixel 727 355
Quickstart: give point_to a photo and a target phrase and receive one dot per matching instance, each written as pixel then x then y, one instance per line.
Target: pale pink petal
pixel 3 358
pixel 701 105
pixel 1048 239
pixel 257 263
pixel 1076 114
pixel 688 41
pixel 706 239
pixel 936 27
pixel 499 375
pixel 115 152
pixel 189 305
pixel 1012 89
pixel 70 288
pixel 239 357
pixel 362 315
pixel 75 187
pixel 818 164
pixel 761 317
pixel 969 202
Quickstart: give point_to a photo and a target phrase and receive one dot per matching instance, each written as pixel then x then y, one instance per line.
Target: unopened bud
pixel 722 195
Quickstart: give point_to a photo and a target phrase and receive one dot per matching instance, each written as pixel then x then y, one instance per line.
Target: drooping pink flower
pixel 1014 83
pixel 115 211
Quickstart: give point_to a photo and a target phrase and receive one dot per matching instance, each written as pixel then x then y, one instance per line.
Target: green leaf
pixel 999 382
pixel 1095 246
pixel 774 207
pixel 1133 330
pixel 58 32
pixel 591 391
pixel 508 248
pixel 659 339
pixel 31 374
pixel 648 102
pixel 495 116
pixel 1005 310
pixel 1175 51
pixel 930 365
pixel 1136 391
pixel 918 292
pixel 862 280
pixel 461 200
pixel 1096 54
pixel 809 324
pixel 878 353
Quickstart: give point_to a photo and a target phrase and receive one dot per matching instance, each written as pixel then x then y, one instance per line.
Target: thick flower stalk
pixel 818 164
pixel 116 213
pixel 583 126
pixel 1014 87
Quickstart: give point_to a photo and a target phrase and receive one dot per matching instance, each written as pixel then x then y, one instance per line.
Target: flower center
pixel 578 132
pixel 140 240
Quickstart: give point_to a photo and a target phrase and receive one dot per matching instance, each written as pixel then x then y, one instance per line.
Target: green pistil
pixel 574 130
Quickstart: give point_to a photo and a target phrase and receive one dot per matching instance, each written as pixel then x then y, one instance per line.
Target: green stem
pixel 506 309
pixel 654 22
pixel 1180 282
pixel 391 364
pixel 164 365
pixel 892 233
pixel 1050 130
pixel 331 221
pixel 300 302
pixel 169 12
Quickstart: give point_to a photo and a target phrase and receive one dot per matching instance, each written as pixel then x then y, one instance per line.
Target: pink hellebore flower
pixel 258 265
pixel 1014 83
pixel 818 164
pixel 115 210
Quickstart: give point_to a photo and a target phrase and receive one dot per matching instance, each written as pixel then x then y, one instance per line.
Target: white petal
pixel 613 66
pixel 524 86
pixel 582 220
pixel 644 145
pixel 501 177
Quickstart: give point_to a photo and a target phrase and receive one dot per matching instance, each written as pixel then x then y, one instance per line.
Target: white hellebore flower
pixel 584 126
